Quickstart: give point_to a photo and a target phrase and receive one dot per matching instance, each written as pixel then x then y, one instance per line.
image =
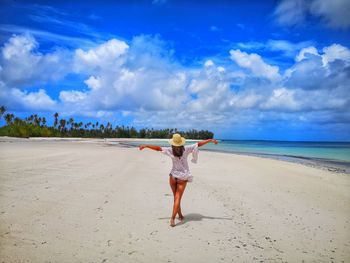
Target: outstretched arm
pixel 201 143
pixel 153 147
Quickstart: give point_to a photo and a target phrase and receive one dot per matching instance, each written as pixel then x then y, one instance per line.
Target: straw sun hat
pixel 177 140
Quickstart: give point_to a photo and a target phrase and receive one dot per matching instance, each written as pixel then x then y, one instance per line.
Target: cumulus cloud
pixel 334 13
pixel 256 64
pixel 93 83
pixel 129 77
pixel 336 52
pixel 281 98
pixel 22 65
pixel 104 56
pixel 320 70
pixel 143 80
pixel 72 96
pixel 209 63
pixel 308 50
pixel 24 100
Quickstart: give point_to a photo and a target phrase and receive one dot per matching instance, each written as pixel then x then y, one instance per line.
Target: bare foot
pixel 181 217
pixel 172 222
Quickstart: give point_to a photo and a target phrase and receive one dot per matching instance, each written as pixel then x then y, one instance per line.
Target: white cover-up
pixel 180 167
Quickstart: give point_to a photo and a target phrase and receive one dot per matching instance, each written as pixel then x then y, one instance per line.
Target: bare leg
pixel 180 188
pixel 173 185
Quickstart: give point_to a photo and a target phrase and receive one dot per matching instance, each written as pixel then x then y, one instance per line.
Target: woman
pixel 180 173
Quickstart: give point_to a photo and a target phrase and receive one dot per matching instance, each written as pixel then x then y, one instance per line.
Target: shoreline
pixel 334 166
pixel 318 163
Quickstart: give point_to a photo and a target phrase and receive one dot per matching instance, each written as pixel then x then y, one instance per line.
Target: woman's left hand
pixel 141 147
pixel 214 141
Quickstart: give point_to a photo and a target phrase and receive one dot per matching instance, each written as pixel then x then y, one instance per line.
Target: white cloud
pixel 93 83
pixel 330 54
pixel 245 100
pixel 18 46
pixel 288 48
pixel 251 45
pixel 23 100
pixel 308 50
pixel 221 69
pixel 104 56
pixel 128 77
pixel 72 96
pixel 334 13
pixel 336 51
pixel 319 83
pixel 255 63
pixel 48 37
pixel 143 80
pixel 291 12
pixel 22 65
pixel 281 99
pixel 209 63
pixel 307 72
pixel 283 47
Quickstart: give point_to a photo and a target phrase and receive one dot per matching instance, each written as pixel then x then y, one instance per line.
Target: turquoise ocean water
pixel 332 154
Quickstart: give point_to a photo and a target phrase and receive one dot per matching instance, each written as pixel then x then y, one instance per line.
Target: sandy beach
pixel 91 201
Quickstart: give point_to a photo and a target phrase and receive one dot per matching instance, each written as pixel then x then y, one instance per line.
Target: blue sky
pixel 263 70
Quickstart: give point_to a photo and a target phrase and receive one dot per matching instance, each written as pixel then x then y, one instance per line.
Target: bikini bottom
pixel 173 177
pixel 176 179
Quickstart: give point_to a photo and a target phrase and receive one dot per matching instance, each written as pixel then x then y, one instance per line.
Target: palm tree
pixel 30 118
pixel 71 122
pixel 17 120
pixel 76 125
pixel 63 124
pixel 2 111
pixel 56 119
pixel 36 119
pixel 39 121
pixel 8 118
pixel 98 130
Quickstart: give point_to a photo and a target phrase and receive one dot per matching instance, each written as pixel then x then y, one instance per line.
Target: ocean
pixel 333 156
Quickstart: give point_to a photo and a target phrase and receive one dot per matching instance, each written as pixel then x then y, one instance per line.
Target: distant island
pixel 35 126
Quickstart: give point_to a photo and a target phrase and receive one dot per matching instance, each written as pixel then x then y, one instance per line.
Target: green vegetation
pixel 35 126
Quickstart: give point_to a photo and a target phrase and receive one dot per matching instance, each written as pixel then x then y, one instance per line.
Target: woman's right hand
pixel 141 147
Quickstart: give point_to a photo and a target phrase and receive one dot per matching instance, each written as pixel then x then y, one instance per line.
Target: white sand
pixel 72 201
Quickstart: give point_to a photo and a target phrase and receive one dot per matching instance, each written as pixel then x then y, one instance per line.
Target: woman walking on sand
pixel 180 173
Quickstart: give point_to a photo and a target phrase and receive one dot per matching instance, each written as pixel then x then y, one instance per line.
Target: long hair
pixel 178 150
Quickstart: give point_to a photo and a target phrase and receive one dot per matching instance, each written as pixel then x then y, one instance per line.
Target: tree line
pixel 36 126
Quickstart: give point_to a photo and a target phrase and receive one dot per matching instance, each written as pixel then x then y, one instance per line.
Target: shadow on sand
pixel 196 217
